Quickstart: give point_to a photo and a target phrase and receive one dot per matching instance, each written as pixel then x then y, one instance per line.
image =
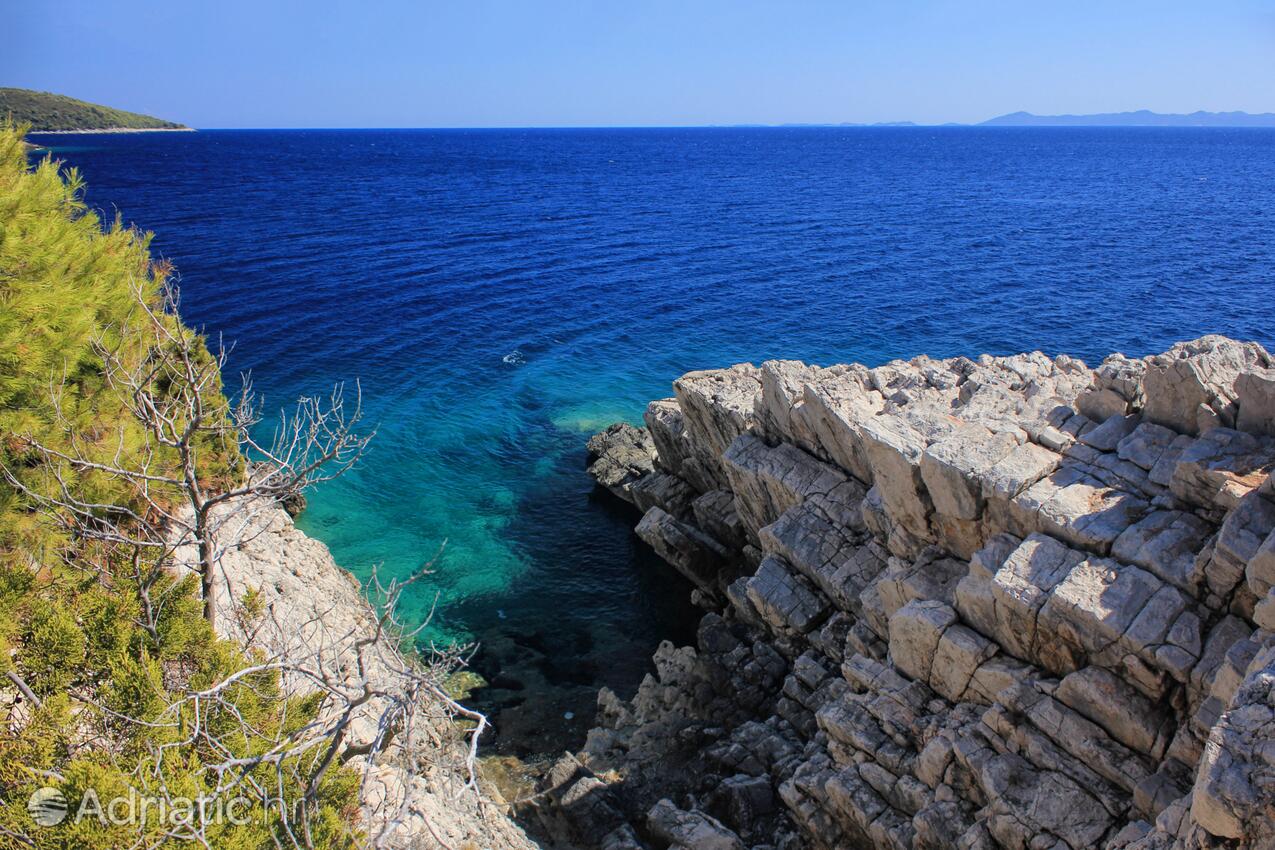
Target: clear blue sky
pixel 479 63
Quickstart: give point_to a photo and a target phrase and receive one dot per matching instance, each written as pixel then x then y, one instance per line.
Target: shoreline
pixel 113 130
pixel 928 607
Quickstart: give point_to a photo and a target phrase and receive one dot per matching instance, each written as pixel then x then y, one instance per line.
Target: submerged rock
pixel 1006 602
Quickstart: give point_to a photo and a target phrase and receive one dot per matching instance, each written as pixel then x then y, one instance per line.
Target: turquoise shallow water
pixel 502 294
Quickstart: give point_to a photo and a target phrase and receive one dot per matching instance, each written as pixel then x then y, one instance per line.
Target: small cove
pixel 502 294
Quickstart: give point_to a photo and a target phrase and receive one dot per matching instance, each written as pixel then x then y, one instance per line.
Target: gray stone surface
pixel 1191 387
pixel 620 456
pixel 993 603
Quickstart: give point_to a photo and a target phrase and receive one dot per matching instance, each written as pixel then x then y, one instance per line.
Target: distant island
pixel 1140 118
pixel 56 113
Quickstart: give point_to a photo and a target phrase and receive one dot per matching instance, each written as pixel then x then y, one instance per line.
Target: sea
pixel 500 295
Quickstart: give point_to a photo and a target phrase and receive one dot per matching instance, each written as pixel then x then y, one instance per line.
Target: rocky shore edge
pixel 302 600
pixel 1011 602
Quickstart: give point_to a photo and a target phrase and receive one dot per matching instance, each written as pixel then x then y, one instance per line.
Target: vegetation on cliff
pixel 111 677
pixel 46 111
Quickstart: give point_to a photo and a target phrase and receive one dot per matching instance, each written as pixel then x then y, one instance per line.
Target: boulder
pixel 1217 470
pixel 619 457
pixel 1255 398
pixel 690 830
pixel 1191 387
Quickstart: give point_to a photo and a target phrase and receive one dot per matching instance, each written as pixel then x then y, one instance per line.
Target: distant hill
pixel 53 112
pixel 1141 118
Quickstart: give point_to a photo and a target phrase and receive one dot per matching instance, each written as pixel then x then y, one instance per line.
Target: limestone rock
pixel 696 555
pixel 1220 468
pixel 915 631
pixel 1167 544
pixel 620 456
pixel 1260 569
pixel 665 491
pixel 717 406
pixel 1004 602
pixel 667 427
pixel 1146 444
pixel 893 449
pixel 1116 389
pixel 315 613
pixel 784 600
pixel 1234 794
pixel 1108 435
pixel 1255 397
pixel 1118 708
pixel 954 469
pixel 1240 542
pixel 1191 387
pixel 690 830
pixel 768 481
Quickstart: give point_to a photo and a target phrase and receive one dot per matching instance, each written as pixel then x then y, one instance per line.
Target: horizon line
pixel 880 125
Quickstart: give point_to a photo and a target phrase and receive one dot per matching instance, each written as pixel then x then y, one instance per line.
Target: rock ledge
pixel 1007 602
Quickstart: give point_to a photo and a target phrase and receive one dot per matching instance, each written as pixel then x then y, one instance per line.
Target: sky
pixel 521 63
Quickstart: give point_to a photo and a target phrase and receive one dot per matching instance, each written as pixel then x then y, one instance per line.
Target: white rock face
pixel 308 602
pixel 1006 602
pixel 1192 387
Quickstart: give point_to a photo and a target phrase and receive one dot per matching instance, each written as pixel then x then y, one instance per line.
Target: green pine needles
pixel 100 698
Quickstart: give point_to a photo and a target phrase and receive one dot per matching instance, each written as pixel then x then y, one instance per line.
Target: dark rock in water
pixel 294 504
pixel 620 456
pixel 506 683
pixel 541 691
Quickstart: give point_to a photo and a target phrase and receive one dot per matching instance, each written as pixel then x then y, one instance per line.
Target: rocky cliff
pixel 310 615
pixel 1008 602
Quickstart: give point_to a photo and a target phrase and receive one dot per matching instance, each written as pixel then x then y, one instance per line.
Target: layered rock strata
pixel 1008 602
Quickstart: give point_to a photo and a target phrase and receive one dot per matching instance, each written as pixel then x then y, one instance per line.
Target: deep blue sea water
pixel 502 294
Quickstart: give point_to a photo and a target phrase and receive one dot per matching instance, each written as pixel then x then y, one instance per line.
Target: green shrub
pixel 70 627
